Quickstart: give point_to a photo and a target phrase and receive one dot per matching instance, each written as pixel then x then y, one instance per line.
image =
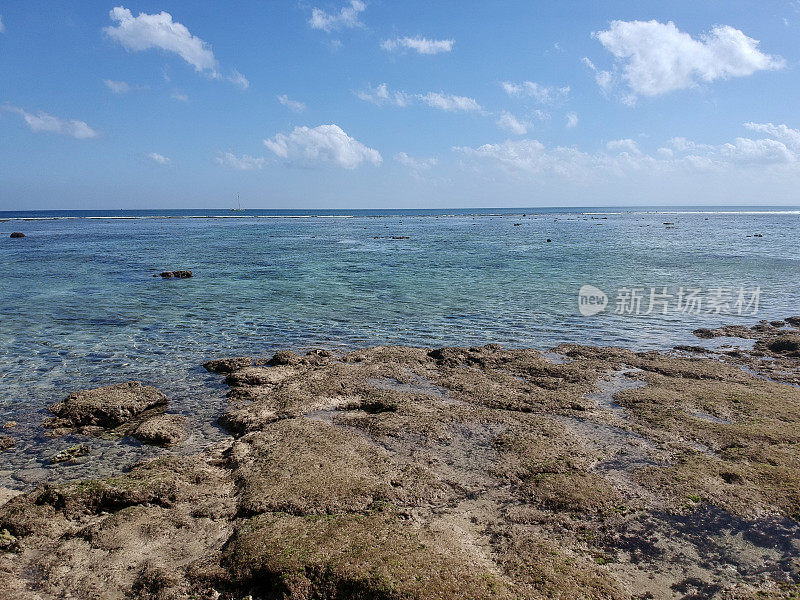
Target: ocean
pixel 80 307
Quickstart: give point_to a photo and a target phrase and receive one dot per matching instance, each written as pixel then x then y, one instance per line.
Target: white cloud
pixel 292 105
pixel 572 120
pixel 238 79
pixel 656 58
pixel 176 95
pixel 2 27
pixel 790 137
pixel 605 79
pixel 159 158
pixel 160 31
pixel 449 102
pixel 626 145
pixel 43 122
pixel 347 17
pixel 117 87
pixel 326 144
pixel 622 157
pixel 415 164
pixel 241 163
pixel 510 123
pixel 418 44
pixel 541 93
pixel 381 95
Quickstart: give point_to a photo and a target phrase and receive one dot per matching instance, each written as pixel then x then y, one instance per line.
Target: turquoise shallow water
pixel 79 306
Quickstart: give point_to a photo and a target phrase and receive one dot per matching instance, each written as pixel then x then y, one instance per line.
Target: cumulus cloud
pixel 418 44
pixel 449 102
pixel 543 94
pixel 241 163
pixel 415 164
pixel 510 123
pixel 159 31
pixel 654 58
pixel 572 120
pixel 325 144
pixel 790 137
pixel 159 158
pixel 117 87
pixel 624 156
pixel 292 105
pixel 347 17
pixel 43 122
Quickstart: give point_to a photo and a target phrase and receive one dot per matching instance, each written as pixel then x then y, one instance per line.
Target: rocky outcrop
pixel 161 430
pixel 479 472
pixel 106 407
pixel 17 234
pixel 175 274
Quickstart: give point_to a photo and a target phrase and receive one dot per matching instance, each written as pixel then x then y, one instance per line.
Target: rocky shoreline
pixel 396 472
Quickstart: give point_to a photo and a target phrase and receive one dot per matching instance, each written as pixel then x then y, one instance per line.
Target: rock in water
pixel 227 365
pixel 162 430
pixel 17 234
pixel 71 453
pixel 175 274
pixel 108 407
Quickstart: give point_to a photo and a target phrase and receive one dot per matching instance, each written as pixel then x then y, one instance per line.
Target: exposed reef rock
pixel 106 407
pixel 162 430
pixel 17 234
pixel 394 473
pixel 6 442
pixel 227 365
pixel 175 274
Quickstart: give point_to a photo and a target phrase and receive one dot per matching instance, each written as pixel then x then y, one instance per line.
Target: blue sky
pixel 398 104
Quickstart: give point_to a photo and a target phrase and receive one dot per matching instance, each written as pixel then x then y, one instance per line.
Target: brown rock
pixel 162 430
pixel 17 234
pixel 6 442
pixel 108 406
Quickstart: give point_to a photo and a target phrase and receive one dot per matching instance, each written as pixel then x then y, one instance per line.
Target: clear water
pixel 79 306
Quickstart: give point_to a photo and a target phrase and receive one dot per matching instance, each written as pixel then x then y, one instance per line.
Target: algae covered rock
pixel 162 430
pixel 107 407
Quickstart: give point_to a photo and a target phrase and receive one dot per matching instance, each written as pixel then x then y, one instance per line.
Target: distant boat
pixel 238 205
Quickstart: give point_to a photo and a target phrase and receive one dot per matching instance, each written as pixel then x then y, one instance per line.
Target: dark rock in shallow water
pixel 107 407
pixel 786 344
pixel 17 234
pixel 162 430
pixel 227 365
pixel 6 442
pixel 71 453
pixel 794 321
pixel 175 274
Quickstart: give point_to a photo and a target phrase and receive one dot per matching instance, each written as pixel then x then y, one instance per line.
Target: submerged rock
pixel 17 234
pixel 106 407
pixel 71 453
pixel 162 430
pixel 174 274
